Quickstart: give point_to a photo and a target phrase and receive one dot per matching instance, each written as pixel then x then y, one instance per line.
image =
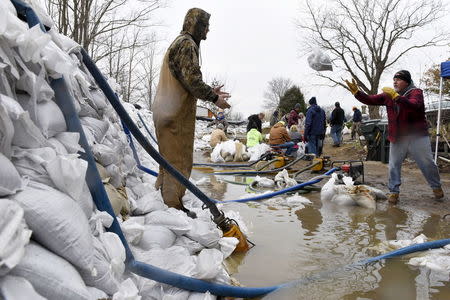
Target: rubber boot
pixel 393 198
pixel 438 194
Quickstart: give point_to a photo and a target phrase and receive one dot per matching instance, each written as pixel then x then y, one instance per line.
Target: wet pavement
pixel 313 243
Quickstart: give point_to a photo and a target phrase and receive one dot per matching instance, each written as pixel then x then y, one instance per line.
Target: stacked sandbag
pixel 43 187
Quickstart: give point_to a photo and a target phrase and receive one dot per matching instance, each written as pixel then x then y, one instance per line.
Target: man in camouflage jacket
pixel 180 85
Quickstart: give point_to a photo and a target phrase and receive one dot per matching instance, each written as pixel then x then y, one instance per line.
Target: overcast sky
pixel 252 41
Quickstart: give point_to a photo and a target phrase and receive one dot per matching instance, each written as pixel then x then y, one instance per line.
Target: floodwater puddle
pixel 313 243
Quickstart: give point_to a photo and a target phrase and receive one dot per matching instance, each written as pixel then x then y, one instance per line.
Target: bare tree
pixel 366 37
pixel 148 77
pixel 88 22
pixel 432 78
pixel 277 87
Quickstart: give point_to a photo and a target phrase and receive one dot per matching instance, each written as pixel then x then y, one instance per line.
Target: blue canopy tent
pixel 445 74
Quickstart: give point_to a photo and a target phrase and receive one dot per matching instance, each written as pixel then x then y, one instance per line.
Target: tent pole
pixel 438 126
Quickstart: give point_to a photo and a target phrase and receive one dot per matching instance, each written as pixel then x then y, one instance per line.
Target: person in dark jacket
pixel 337 120
pixel 357 118
pixel 275 118
pixel 314 127
pixel 407 131
pixel 255 121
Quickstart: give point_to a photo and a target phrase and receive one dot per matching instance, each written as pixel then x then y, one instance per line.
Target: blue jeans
pixel 289 146
pixel 336 134
pixel 313 144
pixel 419 149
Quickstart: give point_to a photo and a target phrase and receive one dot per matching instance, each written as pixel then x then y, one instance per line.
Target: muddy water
pixel 313 243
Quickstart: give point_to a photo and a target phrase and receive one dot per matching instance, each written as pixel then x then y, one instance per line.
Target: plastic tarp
pixel 445 69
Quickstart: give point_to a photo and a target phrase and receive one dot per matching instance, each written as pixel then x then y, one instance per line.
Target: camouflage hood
pixel 195 23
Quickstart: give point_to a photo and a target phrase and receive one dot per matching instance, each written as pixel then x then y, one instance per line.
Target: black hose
pixel 260 172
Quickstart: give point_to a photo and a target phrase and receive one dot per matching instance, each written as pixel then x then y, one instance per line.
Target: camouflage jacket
pixel 184 55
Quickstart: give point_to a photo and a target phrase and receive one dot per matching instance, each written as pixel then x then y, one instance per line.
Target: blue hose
pixel 66 103
pixel 135 155
pixel 146 128
pixel 280 192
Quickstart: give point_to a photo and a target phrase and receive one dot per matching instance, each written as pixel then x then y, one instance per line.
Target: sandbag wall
pixel 53 240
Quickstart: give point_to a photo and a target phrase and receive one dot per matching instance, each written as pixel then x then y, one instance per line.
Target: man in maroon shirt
pixel 407 131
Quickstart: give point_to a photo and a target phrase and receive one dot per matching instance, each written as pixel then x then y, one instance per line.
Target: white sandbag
pixel 209 263
pixel 192 246
pixel 58 223
pixel 56 61
pixel 86 110
pixel 264 182
pixel 12 107
pixel 127 291
pixel 257 151
pixel 85 201
pixel 51 276
pixel 151 201
pixel 156 236
pixel 58 146
pixel 96 293
pixel 132 230
pixel 26 133
pixel 175 259
pixel 31 163
pixel 140 189
pixel 50 119
pixel 172 293
pixel 215 154
pixel 6 132
pixel 17 288
pixel 70 141
pixel 202 296
pixel 227 245
pixel 68 174
pixel 105 155
pixel 31 43
pixel 99 221
pixel 173 219
pixel 99 99
pixel 297 201
pixel 97 127
pixel 115 174
pixel 102 172
pixel 206 233
pixel 14 235
pixel 301 149
pixel 108 276
pixel 320 61
pixel 283 180
pixel 10 180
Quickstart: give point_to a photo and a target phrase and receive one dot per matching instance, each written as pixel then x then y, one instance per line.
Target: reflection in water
pixel 310 218
pixel 218 188
pixel 391 218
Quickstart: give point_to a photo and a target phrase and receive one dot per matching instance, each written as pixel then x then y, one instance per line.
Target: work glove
pixel 352 86
pixel 390 92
